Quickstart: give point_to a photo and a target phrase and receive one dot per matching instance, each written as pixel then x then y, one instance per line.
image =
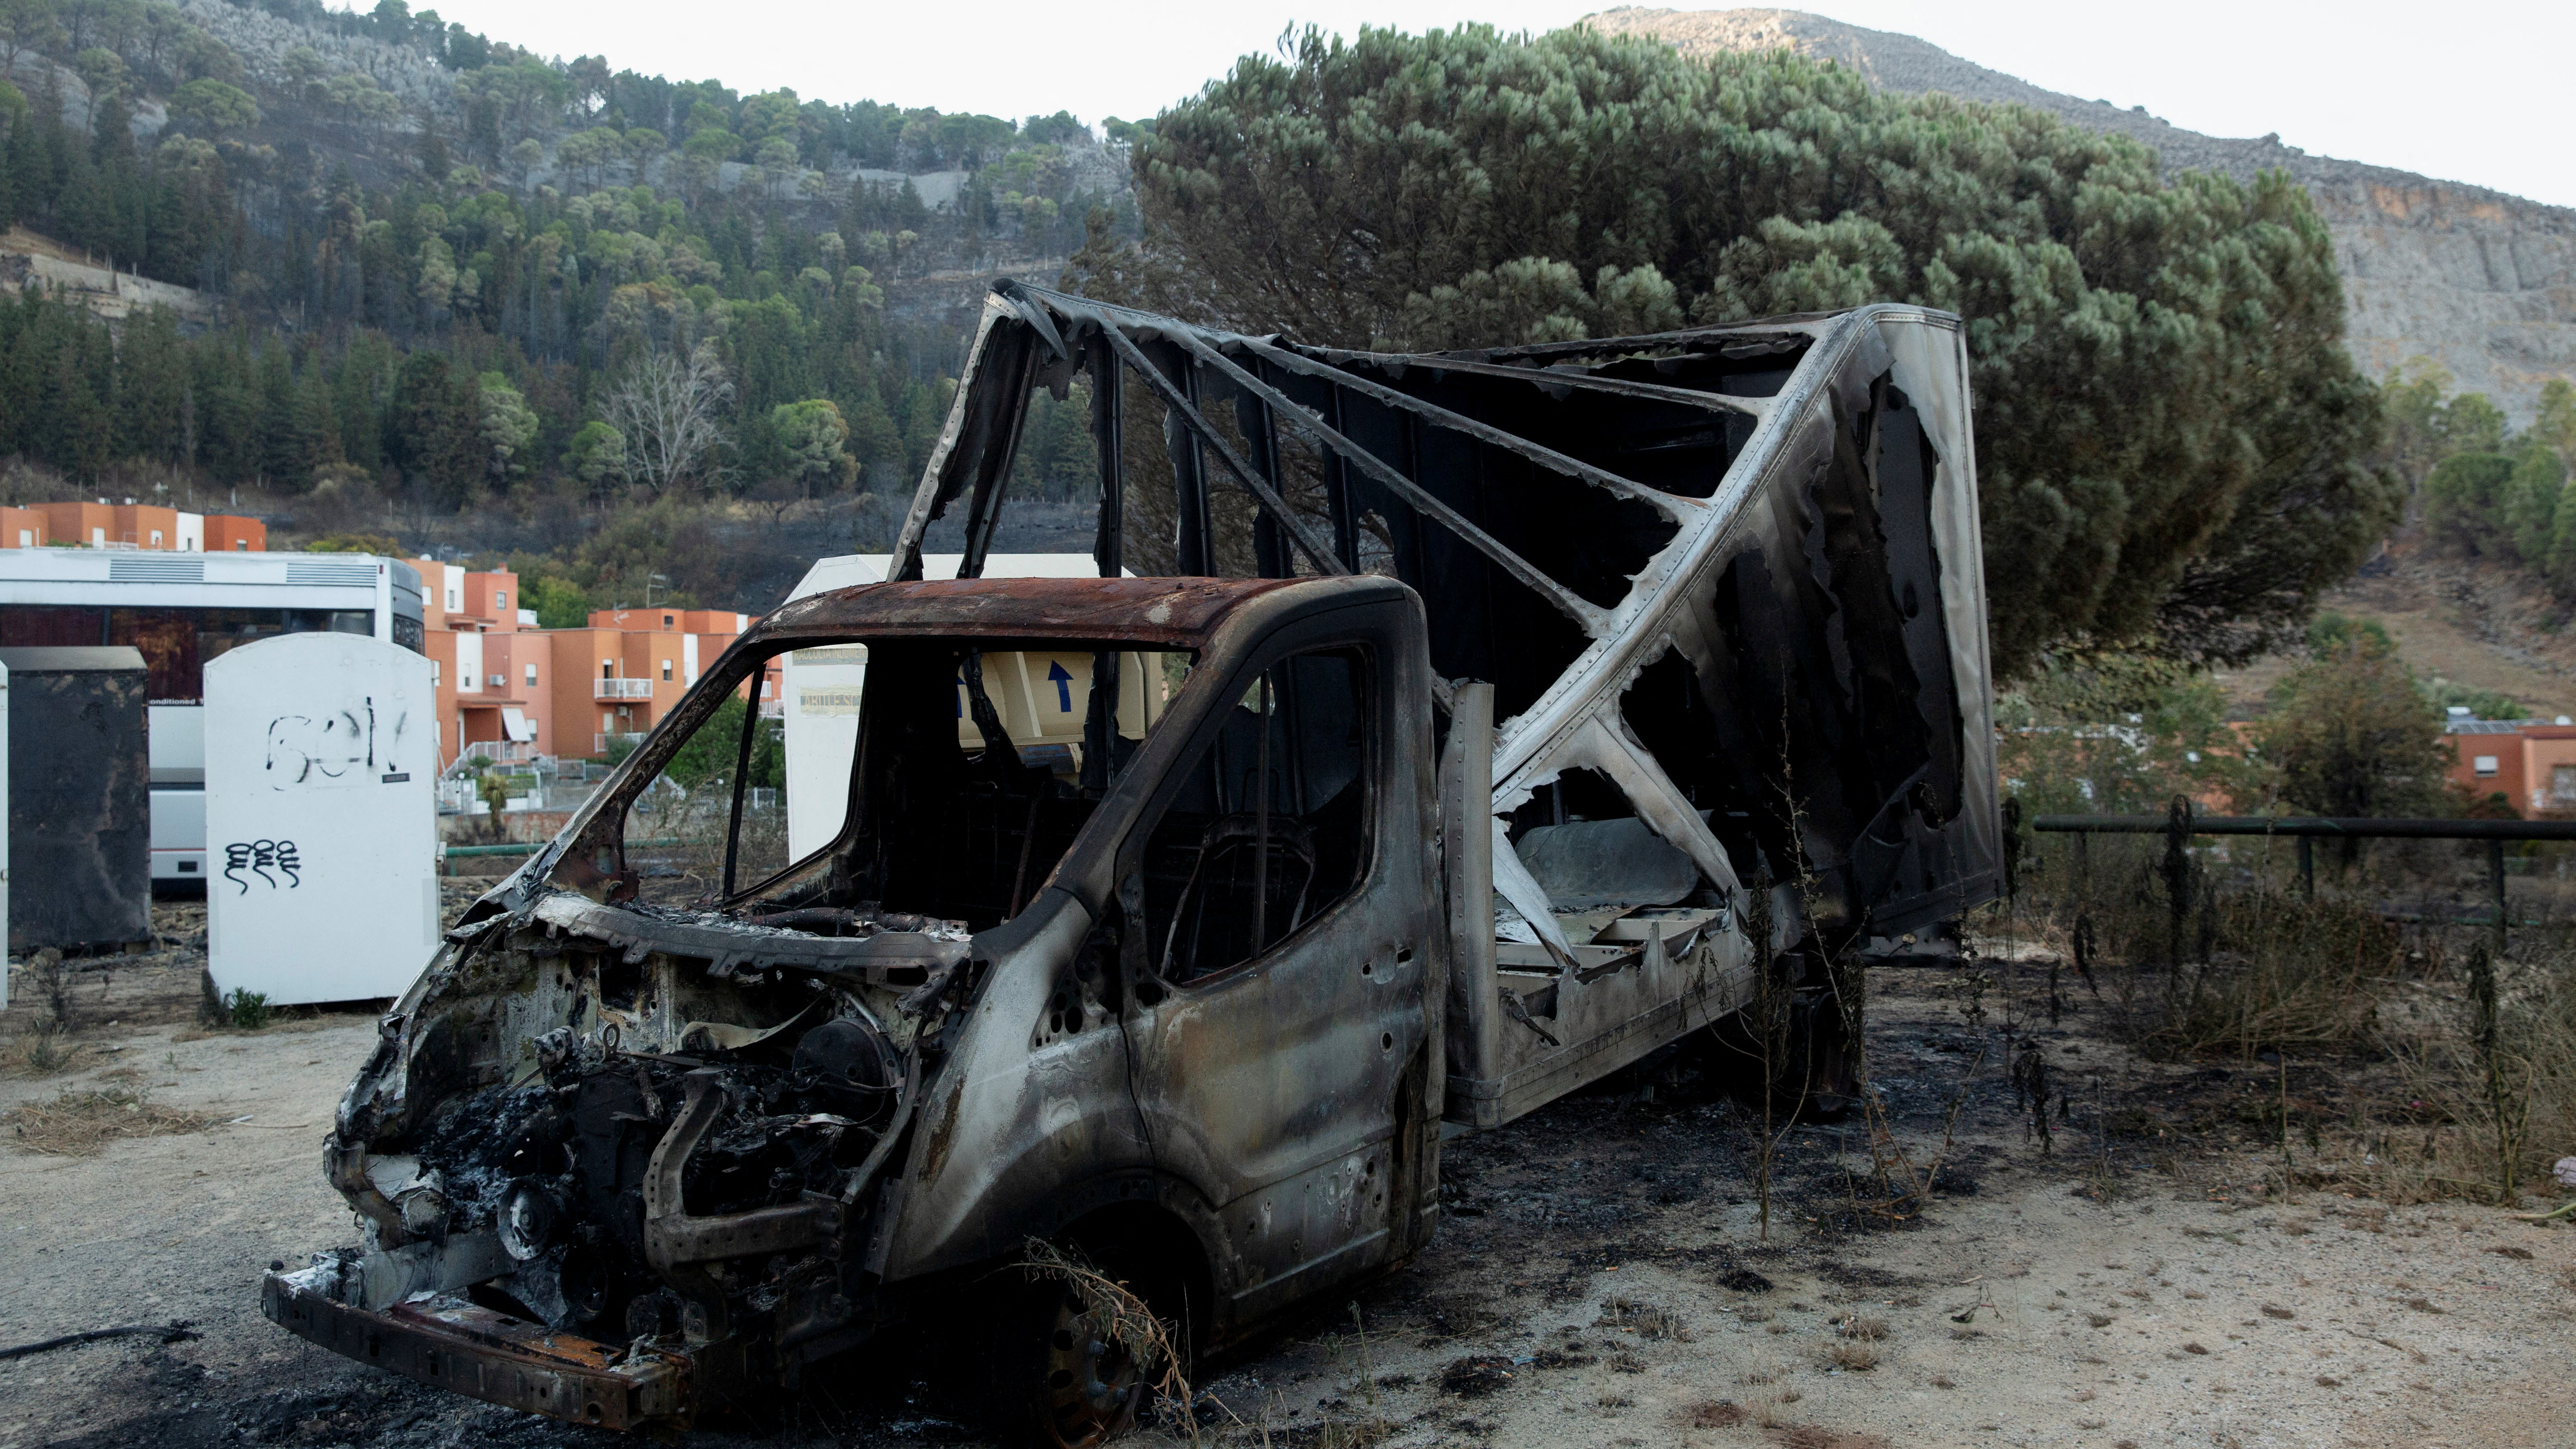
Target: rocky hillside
pixel 2482 282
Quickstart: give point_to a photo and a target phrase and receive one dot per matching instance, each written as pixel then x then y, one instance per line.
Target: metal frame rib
pixel 1575 722
pixel 1317 552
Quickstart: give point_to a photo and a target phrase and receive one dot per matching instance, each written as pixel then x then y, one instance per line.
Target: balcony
pixel 621 689
pixel 503 752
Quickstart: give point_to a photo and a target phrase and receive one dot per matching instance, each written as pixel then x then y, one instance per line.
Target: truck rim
pixel 1091 1388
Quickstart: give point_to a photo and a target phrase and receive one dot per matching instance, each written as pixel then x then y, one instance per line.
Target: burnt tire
pixel 1054 1382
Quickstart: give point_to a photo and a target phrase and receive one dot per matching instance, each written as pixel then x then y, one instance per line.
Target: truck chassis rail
pixel 492 1356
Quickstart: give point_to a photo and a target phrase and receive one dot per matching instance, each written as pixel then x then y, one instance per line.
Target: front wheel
pixel 1066 1381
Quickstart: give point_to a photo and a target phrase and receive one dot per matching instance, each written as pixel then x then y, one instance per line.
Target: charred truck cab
pixel 1581 696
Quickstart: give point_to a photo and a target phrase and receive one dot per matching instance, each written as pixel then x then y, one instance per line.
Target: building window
pixel 608 669
pixel 666 671
pixel 2562 785
pixel 2484 764
pixel 501 602
pixel 433 674
pixel 241 545
pixel 26 538
pixel 451 601
pixel 532 676
pixel 156 538
pixel 666 621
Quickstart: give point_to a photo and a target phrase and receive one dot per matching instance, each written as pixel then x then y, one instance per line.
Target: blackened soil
pixel 1657 1167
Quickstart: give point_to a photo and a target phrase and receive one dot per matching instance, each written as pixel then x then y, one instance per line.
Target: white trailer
pixel 183 610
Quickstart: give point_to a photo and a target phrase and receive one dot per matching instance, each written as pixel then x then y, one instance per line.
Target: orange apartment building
pixel 2533 765
pixel 129 525
pixel 511 690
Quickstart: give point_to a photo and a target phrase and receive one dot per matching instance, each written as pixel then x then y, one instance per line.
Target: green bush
pixel 247 1010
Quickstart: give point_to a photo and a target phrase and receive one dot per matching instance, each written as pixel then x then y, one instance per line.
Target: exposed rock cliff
pixel 2482 282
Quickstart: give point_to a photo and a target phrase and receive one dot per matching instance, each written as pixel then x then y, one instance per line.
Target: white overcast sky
pixel 2462 91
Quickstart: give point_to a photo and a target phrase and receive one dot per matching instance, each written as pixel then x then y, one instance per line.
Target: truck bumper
pixel 495 1357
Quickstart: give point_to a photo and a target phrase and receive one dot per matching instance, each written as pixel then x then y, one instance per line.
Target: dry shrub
pixel 2259 967
pixel 2485 1096
pixel 1716 1414
pixel 1473 1378
pixel 1851 1355
pixel 80 1123
pixel 2478 1100
pixel 1864 1330
pixel 1810 1436
pixel 1337 1432
pixel 1646 1320
pixel 40 1053
pixel 2286 974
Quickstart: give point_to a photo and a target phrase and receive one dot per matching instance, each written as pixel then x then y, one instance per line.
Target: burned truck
pixel 1567 701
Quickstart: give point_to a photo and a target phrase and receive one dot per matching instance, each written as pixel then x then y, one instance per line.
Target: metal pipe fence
pixel 2181 824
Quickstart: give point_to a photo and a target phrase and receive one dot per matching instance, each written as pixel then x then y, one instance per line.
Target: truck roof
pixel 1176 613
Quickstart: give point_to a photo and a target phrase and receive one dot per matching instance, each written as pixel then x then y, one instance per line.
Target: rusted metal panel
pixel 490 1356
pixel 1174 613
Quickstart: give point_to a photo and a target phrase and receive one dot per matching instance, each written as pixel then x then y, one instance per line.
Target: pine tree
pixel 2170 435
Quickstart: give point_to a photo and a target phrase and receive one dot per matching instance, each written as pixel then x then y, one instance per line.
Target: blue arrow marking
pixel 1063 683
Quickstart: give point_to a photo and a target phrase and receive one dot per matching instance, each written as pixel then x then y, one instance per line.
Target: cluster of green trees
pixel 513 91
pixel 164 210
pixel 458 337
pixel 2488 489
pixel 2170 435
pixel 470 418
pixel 2349 730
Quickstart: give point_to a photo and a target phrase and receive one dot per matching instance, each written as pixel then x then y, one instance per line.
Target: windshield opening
pixel 937 779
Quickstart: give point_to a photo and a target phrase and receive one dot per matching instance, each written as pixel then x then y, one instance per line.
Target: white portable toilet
pixel 321 826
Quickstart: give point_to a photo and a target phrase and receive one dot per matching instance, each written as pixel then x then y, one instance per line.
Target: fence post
pixel 2308 867
pixel 2012 850
pixel 2177 874
pixel 2495 874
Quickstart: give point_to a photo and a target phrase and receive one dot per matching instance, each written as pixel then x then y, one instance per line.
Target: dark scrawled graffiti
pixel 348 745
pixel 260 858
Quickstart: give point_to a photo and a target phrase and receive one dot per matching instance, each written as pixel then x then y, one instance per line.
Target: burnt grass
pixel 1638 1169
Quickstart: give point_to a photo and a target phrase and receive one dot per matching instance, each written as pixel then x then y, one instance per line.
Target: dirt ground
pixel 1600 1276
